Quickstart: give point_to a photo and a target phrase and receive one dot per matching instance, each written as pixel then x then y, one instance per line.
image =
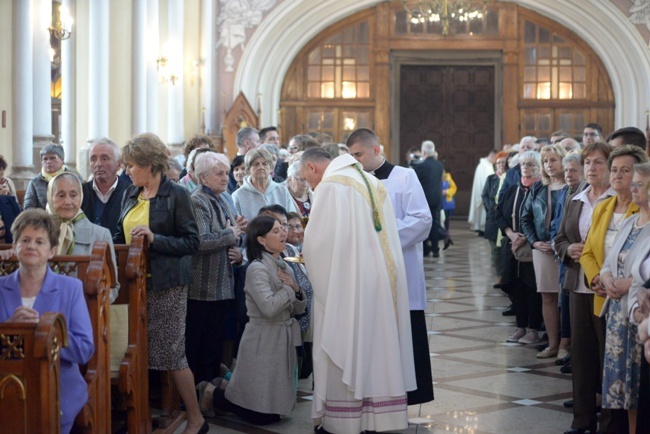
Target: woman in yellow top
pixel 448 203
pixel 161 211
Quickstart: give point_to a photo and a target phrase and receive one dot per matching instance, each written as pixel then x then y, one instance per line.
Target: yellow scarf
pixel 66 237
pixel 49 176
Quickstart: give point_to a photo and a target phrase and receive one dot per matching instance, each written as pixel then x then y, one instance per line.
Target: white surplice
pixel 476 209
pixel 362 350
pixel 413 224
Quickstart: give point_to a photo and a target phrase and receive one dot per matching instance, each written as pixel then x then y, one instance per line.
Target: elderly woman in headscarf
pixel 77 233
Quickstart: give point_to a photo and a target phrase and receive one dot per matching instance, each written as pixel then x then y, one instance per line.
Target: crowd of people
pixel 235 312
pixel 568 226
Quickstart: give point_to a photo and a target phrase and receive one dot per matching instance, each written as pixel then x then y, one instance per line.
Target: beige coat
pixel 264 379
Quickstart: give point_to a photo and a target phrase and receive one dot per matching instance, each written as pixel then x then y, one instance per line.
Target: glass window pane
pixel 544 36
pixel 558 39
pixel 543 73
pixel 544 90
pixel 566 53
pixel 565 73
pixel 363 33
pixel 328 73
pixel 336 39
pixel 328 51
pixel 579 91
pixel 565 121
pixel 313 73
pixel 363 90
pixel 530 73
pixel 530 56
pixel 363 73
pixel 580 73
pixel 529 91
pixel 578 58
pixel 492 27
pixel 349 62
pixel 566 91
pixel 314 121
pixel 544 52
pixel 313 90
pixel 328 120
pixel 349 121
pixel 530 33
pixel 579 121
pixel 348 51
pixel 544 120
pixel 400 22
pixel 529 121
pixel 327 90
pixel 362 55
pixel 349 73
pixel 314 56
pixel 328 61
pixel 363 120
pixel 348 35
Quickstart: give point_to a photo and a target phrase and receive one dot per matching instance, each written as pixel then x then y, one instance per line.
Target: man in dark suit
pixel 102 200
pixel 429 172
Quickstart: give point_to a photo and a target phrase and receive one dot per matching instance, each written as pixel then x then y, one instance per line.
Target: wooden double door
pixel 455 107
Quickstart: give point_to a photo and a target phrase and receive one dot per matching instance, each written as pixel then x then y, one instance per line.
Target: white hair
pixel 428 147
pixel 207 161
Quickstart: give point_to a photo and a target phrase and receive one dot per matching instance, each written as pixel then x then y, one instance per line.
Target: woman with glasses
pixel 259 189
pixel 299 190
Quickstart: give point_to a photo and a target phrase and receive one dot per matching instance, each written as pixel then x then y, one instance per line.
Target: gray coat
pixel 212 278
pixel 634 256
pixel 85 234
pixel 264 378
pixel 36 192
pixel 248 200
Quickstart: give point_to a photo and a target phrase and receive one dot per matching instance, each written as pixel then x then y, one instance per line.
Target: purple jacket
pixel 60 294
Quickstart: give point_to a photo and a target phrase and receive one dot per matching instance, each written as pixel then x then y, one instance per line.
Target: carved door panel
pixel 454 107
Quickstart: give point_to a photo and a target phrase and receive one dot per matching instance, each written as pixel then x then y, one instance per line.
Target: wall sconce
pixel 62 27
pixel 164 74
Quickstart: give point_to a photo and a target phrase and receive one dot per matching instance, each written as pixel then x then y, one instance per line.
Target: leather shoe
pixel 448 242
pixel 563 361
pixel 566 369
pixel 436 254
pixel 510 311
pixel 578 431
pixel 568 404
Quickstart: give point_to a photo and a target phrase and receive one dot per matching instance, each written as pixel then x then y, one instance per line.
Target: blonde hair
pixel 147 150
pixel 558 150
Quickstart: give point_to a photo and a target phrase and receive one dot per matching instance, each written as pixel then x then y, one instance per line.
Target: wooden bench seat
pixel 29 375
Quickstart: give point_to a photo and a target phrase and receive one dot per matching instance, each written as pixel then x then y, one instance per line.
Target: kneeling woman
pixel 263 385
pixel 34 289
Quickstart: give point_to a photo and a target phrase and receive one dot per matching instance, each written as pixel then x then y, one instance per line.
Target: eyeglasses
pixel 295 227
pixel 637 185
pixel 529 164
pixel 301 180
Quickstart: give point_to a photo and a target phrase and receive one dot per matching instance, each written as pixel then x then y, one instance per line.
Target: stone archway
pixel 290 26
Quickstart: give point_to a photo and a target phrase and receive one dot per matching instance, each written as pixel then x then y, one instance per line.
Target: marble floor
pixel 482 384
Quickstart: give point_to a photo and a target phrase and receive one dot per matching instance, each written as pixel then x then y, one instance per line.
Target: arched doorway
pixel 542 76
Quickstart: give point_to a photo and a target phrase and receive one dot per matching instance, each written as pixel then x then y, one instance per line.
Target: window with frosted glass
pixel 340 66
pixel 553 67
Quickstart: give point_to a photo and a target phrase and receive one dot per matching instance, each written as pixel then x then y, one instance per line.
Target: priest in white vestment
pixel 362 350
pixel 413 219
pixel 477 212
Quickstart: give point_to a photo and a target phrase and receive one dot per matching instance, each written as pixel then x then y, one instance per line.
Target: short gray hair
pixel 642 169
pixel 53 148
pixel 314 155
pixel 273 149
pixel 572 157
pixel 207 161
pixel 109 142
pixel 429 147
pixel 294 169
pixel 526 139
pixel 254 154
pixel 244 134
pixel 530 157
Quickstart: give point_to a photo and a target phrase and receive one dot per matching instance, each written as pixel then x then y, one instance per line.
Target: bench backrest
pixel 29 374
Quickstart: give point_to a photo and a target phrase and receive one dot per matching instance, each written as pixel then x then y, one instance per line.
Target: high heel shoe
pixel 448 242
pixel 204 428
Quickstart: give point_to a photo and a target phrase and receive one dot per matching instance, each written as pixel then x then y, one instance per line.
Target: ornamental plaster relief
pixel 235 17
pixel 638 13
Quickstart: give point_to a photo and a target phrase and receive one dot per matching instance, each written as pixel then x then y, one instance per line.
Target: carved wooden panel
pixel 240 115
pixel 454 107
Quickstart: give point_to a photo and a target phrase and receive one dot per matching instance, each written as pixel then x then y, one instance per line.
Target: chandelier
pixel 443 11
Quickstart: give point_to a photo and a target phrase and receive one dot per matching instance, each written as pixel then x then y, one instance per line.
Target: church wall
pixel 119 122
pixel 192 68
pixel 6 76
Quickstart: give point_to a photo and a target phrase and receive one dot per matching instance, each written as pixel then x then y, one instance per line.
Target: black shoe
pixel 566 369
pixel 448 242
pixel 541 347
pixel 204 428
pixel 497 286
pixel 436 254
pixel 577 431
pixel 510 311
pixel 568 404
pixel 563 361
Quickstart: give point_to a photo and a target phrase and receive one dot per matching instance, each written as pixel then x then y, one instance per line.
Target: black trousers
pixel 422 360
pixel 436 233
pixel 204 336
pixel 527 303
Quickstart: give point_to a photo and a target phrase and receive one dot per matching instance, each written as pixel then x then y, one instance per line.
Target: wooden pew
pixel 29 374
pixel 97 274
pixel 132 378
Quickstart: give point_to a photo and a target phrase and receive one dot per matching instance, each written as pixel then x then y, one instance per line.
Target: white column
pixel 175 102
pixel 153 50
pixel 23 103
pixel 42 79
pixel 139 68
pixel 206 56
pixel 69 90
pixel 98 69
